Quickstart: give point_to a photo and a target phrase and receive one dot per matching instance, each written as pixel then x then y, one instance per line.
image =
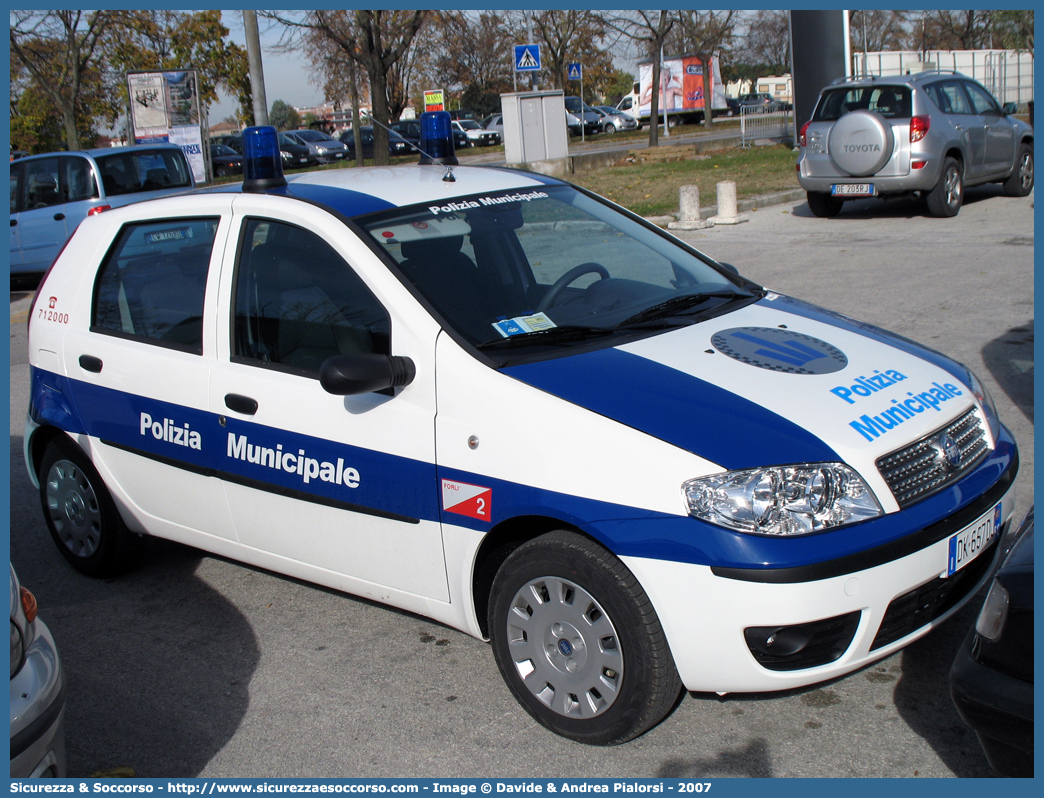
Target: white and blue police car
pixel 492 398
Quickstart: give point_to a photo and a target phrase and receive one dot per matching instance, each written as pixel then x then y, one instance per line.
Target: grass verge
pixel 648 185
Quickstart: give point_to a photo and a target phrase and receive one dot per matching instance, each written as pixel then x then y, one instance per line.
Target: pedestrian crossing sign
pixel 575 72
pixel 527 57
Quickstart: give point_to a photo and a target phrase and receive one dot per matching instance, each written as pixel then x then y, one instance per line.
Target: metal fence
pixel 758 123
pixel 1008 74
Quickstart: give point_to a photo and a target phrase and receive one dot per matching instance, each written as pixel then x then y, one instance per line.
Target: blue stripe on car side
pixel 675 407
pixel 410 488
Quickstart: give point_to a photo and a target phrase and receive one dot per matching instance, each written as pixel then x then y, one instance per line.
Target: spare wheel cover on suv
pixel 860 143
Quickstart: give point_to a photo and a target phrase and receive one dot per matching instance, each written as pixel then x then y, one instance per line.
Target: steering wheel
pixel 567 278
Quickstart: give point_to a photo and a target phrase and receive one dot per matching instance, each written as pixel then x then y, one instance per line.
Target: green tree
pixel 59 53
pixel 162 40
pixel 620 86
pixel 283 116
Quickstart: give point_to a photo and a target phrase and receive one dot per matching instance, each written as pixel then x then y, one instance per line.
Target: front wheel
pixel 1020 183
pixel 578 641
pixel 945 199
pixel 81 515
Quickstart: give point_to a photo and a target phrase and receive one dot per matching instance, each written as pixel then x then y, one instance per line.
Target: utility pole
pixel 257 75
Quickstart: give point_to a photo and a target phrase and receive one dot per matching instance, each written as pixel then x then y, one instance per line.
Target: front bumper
pixel 707 614
pixel 38 711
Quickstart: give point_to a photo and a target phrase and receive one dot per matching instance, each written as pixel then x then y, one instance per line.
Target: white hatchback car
pixel 495 399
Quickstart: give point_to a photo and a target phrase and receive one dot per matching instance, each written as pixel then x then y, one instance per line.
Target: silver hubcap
pixel 1026 171
pixel 565 647
pixel 953 186
pixel 73 508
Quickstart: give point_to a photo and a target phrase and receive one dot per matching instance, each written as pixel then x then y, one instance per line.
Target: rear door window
pixel 947 94
pixel 151 285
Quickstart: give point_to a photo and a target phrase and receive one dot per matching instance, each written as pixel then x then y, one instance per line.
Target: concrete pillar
pixel 688 210
pixel 727 205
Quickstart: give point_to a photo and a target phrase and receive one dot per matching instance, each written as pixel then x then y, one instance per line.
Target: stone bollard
pixel 727 205
pixel 688 210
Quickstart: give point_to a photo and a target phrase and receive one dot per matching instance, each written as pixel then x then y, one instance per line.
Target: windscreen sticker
pixel 523 324
pixel 473 501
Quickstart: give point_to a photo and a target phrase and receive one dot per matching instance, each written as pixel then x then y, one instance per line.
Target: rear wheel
pixel 1021 181
pixel 578 641
pixel 945 199
pixel 81 515
pixel 823 205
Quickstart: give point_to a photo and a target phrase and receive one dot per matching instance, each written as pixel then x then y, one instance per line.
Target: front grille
pixel 920 469
pixel 922 605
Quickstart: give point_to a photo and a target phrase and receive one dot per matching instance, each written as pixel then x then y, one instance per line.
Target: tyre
pixel 81 515
pixel 945 199
pixel 823 205
pixel 578 641
pixel 1021 181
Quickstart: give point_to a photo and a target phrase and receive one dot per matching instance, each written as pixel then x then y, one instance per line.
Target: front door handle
pixel 58 217
pixel 241 404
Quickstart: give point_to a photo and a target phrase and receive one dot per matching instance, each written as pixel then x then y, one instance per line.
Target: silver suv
pixel 932 133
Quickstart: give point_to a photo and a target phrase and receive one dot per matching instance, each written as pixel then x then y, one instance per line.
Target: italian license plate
pixel 971 541
pixel 853 189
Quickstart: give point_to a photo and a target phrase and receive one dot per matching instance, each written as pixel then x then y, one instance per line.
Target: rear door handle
pixel 91 363
pixel 59 217
pixel 241 404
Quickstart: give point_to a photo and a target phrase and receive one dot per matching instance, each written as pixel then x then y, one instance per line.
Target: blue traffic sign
pixel 576 72
pixel 527 57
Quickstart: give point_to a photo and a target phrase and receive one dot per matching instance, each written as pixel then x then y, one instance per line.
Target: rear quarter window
pixel 151 284
pixel 144 170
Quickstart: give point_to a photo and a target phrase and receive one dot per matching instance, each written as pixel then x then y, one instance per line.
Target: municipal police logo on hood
pixel 777 349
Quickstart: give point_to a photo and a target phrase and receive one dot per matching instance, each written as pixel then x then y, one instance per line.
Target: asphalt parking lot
pixel 193 665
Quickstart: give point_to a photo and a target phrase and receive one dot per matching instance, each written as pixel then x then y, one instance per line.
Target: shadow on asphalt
pixel 1010 360
pixel 157 685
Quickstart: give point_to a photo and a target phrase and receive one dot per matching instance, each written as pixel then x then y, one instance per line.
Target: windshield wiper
pixel 552 335
pixel 679 304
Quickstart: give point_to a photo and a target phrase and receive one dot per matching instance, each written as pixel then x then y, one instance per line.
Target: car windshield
pixel 470 124
pixel 889 101
pixel 314 135
pixel 221 149
pixel 529 273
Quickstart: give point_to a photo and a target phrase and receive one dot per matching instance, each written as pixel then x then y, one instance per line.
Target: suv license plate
pixel 853 189
pixel 971 541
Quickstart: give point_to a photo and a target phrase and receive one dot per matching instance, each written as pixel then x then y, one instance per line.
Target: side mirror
pixel 348 375
pixel 1011 108
pixel 729 268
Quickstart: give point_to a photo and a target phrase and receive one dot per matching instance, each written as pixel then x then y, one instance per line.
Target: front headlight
pixel 989 409
pixel 782 500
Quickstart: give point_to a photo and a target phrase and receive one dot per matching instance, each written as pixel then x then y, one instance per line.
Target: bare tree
pixel 59 49
pixel 648 30
pixel 374 39
pixel 956 30
pixel 703 33
pixel 768 39
pixel 877 29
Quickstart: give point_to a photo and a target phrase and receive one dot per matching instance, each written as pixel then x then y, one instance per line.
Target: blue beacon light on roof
pixel 262 163
pixel 436 138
